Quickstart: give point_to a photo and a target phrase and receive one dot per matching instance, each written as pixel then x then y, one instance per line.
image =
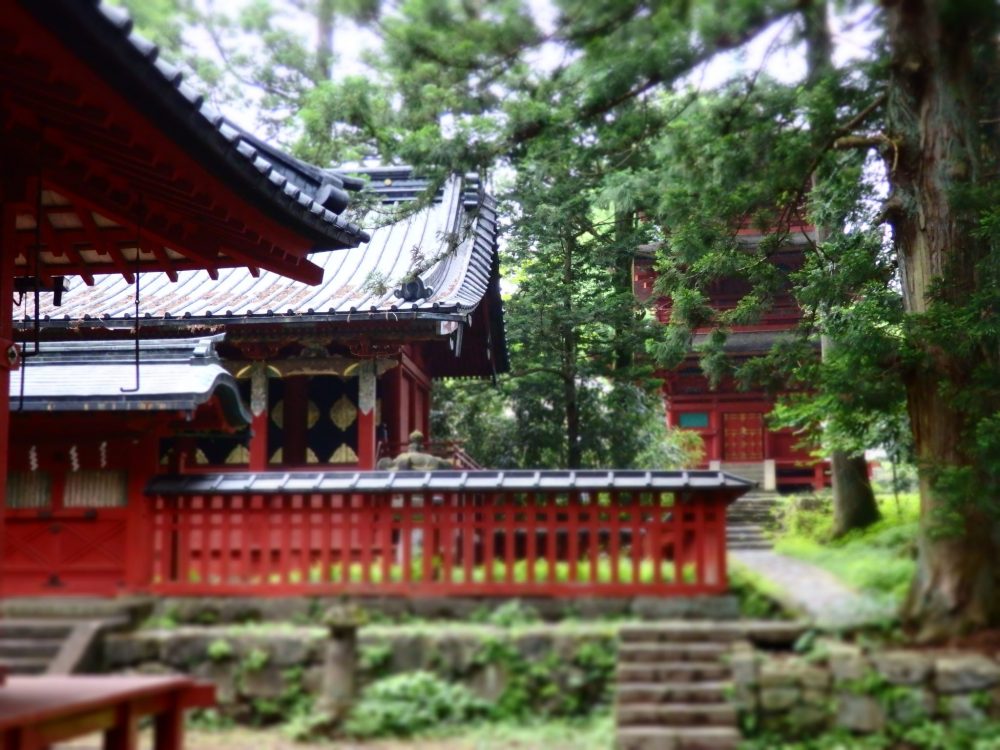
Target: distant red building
pixel 731 422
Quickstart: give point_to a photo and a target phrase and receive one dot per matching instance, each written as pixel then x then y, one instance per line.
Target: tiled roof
pixel 447 481
pixel 459 230
pixel 174 375
pixel 307 198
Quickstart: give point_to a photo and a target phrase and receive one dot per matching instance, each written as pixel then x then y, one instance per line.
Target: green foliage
pixel 532 689
pixel 219 650
pixel 511 613
pixel 374 659
pixel 411 703
pixel 255 660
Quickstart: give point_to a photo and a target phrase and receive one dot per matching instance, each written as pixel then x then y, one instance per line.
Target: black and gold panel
pixel 217 450
pixel 313 420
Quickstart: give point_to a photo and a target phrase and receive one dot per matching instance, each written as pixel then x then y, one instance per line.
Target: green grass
pixel 879 560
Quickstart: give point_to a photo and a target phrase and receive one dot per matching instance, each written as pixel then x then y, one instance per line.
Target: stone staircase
pixel 31 646
pixel 747 520
pixel 673 679
pixel 57 635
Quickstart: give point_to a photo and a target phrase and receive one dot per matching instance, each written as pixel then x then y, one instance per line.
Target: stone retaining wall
pixel 261 670
pixel 842 686
pixel 218 610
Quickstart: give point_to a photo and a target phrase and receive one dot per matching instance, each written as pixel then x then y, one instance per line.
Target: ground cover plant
pixel 879 560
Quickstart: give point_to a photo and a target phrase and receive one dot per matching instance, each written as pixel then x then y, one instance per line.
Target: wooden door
pixel 65 534
pixel 742 437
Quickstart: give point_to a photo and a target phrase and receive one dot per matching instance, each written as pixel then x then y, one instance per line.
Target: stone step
pixel 677 738
pixel 676 715
pixel 672 692
pixel 748 535
pixel 34 629
pixel 24 664
pixel 47 647
pixel 694 631
pixel 657 652
pixel 750 546
pixel 677 671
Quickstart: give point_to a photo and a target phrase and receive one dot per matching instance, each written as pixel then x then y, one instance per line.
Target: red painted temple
pixel 293 377
pixel 112 164
pixel 732 422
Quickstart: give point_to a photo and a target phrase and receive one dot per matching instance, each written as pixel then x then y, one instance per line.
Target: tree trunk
pixel 571 401
pixel 854 505
pixel 934 118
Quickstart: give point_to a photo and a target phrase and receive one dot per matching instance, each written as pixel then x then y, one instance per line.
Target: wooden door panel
pixel 64 553
pixel 742 436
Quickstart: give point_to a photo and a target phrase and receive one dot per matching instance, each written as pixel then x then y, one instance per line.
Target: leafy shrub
pixel 406 704
pixel 219 650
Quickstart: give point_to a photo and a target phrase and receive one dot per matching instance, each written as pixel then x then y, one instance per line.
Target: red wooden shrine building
pixel 732 422
pixel 112 163
pixel 135 213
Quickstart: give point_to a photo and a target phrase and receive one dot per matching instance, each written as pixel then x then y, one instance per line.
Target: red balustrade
pixel 549 541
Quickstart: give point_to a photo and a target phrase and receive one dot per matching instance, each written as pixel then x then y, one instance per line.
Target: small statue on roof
pixel 414 458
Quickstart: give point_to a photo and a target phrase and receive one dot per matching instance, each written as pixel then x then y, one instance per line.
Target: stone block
pixel 535 645
pixel 860 713
pixel 445 607
pixel 911 706
pixel 284 609
pixel 724 607
pixel 778 673
pixel 903 667
pixel 846 662
pixel 815 697
pixel 186 648
pixel 965 673
pixel 602 607
pixel 409 653
pixel 745 667
pixel 153 668
pixel 282 650
pixel 455 654
pixel 779 698
pixel 127 649
pixel 811 717
pixel 488 682
pixel 391 607
pixel 266 682
pixel 745 698
pixel 965 707
pixel 223 676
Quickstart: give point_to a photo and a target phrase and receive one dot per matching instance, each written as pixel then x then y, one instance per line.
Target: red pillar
pixel 143 464
pixel 7 253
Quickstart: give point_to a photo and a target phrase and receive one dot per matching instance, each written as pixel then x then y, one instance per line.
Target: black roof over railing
pixel 361 482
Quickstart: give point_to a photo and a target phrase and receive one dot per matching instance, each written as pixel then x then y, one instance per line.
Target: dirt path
pixel 816 592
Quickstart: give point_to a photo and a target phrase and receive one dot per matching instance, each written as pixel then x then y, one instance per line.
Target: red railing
pixel 549 540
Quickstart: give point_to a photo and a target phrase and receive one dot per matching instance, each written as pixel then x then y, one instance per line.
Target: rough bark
pixel 934 115
pixel 854 505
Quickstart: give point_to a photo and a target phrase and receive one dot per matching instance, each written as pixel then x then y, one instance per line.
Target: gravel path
pixel 816 592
